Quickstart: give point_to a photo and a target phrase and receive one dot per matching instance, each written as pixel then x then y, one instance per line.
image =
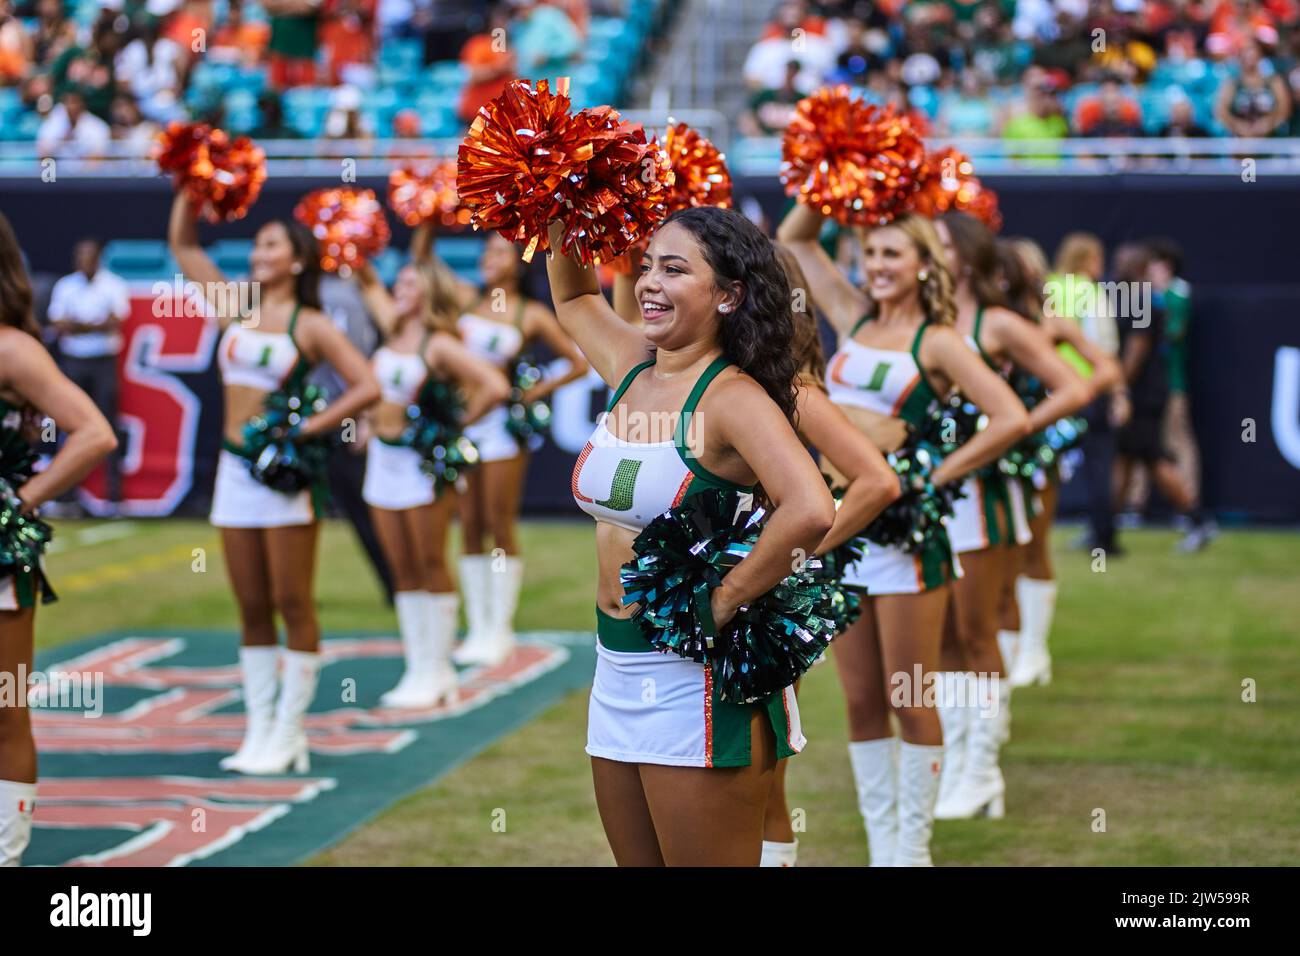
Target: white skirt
pixel 968 528
pixel 660 709
pixel 394 480
pixel 240 501
pixel 1020 512
pixel 891 570
pixel 490 437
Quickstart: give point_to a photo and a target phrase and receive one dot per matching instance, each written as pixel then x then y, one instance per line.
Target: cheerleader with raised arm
pixel 497 323
pixel 988 521
pixel 683 778
pixel 31 388
pixel 420 363
pixel 1029 599
pixel 273 433
pixel 898 354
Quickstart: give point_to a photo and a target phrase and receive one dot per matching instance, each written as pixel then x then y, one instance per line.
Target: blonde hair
pixel 438 291
pixel 1032 255
pixel 936 290
pixel 1076 250
pixel 806 344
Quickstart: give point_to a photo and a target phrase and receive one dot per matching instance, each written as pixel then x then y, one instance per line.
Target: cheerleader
pixel 269 536
pixel 31 388
pixel 897 355
pixel 870 486
pixel 420 346
pixel 988 520
pixel 497 323
pixel 1028 601
pixel 682 777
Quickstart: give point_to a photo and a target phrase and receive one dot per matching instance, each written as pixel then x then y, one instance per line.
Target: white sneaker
pixel 258 665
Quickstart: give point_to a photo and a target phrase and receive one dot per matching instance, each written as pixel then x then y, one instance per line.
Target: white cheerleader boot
pixel 919 768
pixel 286 747
pixel 875 776
pixel 506 585
pixel 433 678
pixel 258 665
pixel 1037 601
pixel 1009 648
pixel 410 607
pixel 779 854
pixel 955 710
pixel 17 805
pixel 476 589
pixel 982 790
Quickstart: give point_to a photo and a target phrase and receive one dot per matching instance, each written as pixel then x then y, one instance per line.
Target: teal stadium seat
pixel 140 260
pixel 387 264
pixel 461 253
pixel 231 256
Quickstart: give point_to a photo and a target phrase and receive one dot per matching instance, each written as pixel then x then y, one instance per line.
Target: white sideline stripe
pixel 108 531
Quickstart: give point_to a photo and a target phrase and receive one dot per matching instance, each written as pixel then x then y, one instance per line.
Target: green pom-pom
pixel 681 556
pixel 918 517
pixel 527 422
pixel 433 429
pixel 276 454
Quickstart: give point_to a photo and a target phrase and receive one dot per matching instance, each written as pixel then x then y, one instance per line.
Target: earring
pixel 923 276
pixel 296 269
pixel 724 308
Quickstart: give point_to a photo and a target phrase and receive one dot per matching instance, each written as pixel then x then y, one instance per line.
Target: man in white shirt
pixel 87 309
pixel 72 130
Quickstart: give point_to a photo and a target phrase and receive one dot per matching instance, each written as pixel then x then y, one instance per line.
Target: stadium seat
pixel 140 259
pixel 461 253
pixel 387 264
pixel 231 256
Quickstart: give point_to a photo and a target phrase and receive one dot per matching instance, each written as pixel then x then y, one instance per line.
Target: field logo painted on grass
pixel 166 722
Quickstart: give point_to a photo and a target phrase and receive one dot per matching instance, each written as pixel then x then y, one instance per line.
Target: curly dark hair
pixel 757 336
pixel 15 286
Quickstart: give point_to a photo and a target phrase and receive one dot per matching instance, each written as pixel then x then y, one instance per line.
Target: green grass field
pixel 1144 720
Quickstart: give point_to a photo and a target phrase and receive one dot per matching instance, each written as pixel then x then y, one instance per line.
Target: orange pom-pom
pixel 520 148
pixel 615 199
pixel 222 177
pixel 348 224
pixel 701 177
pixel 853 161
pixel 421 191
pixel 948 181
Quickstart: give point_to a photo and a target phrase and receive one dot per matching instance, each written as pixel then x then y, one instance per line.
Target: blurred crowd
pixel 120 71
pixel 1040 69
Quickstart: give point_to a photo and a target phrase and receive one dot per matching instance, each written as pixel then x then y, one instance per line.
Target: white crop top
pixel 262 360
pixel 885 381
pixel 492 341
pixel 629 484
pixel 400 374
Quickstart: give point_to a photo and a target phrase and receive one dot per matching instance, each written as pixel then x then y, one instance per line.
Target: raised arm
pixel 830 289
pixel 1030 348
pixel 944 351
pixel 872 484
pixel 484 384
pixel 323 341
pixel 625 303
pixel 802 508
pixel 195 264
pixel 423 254
pixel 378 301
pixel 540 322
pixel 610 344
pixel 30 371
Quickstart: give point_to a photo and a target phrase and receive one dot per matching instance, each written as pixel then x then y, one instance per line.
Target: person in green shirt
pixel 293 43
pixel 1041 118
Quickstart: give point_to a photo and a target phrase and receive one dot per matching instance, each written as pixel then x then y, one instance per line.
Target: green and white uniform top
pixel 629 484
pixel 884 381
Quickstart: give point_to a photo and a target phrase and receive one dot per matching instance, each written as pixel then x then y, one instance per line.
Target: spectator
pixel 16 47
pixel 239 40
pixel 344 120
pixel 857 57
pixel 446 25
pixel 765 66
pixel 544 38
pixel 1109 113
pixel 770 111
pixel 130 128
pixel 489 61
pixel 55 32
pixel 967 111
pixel 71 130
pixel 406 124
pixel 348 35
pixel 150 67
pixel 185 23
pixel 90 69
pixel 293 41
pixel 1041 116
pixel 87 309
pixel 272 125
pixel 1255 102
pixel 1182 119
